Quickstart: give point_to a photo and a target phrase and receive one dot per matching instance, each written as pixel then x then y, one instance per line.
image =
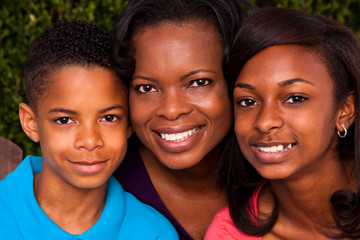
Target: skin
pixel 83 140
pixel 178 86
pixel 289 100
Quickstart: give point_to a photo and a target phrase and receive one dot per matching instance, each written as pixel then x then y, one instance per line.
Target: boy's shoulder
pixel 14 189
pixel 141 221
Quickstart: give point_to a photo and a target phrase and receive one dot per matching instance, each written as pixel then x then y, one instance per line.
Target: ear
pixel 28 122
pixel 346 114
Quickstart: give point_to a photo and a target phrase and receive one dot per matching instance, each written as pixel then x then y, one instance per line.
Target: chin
pixel 178 163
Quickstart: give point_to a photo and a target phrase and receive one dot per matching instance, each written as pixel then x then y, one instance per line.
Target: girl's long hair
pixel 339 48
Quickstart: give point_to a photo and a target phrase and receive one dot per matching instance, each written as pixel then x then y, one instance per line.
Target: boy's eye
pixel 64 120
pixel 247 102
pixel 200 83
pixel 109 118
pixel 296 99
pixel 145 88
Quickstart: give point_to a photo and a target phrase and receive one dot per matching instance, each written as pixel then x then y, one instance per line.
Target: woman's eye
pixel 296 99
pixel 145 88
pixel 200 83
pixel 64 120
pixel 109 118
pixel 247 102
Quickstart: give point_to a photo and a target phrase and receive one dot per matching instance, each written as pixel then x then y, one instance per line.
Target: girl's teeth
pixel 275 149
pixel 178 137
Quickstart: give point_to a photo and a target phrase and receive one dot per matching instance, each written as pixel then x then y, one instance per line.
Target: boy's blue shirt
pixel 123 217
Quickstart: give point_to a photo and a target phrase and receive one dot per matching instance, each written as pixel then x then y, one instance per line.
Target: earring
pixel 342 135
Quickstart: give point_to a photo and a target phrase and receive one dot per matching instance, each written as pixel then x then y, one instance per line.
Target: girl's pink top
pixel 222 227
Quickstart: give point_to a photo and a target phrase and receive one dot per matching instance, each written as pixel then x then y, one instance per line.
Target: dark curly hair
pixel 66 43
pixel 339 48
pixel 225 15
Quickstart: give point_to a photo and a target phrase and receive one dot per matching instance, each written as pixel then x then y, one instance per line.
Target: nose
pixel 89 137
pixel 173 105
pixel 269 118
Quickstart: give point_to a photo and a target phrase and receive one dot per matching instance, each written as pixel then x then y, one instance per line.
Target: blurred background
pixel 21 21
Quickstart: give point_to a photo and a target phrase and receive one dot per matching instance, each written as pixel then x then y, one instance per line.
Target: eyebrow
pixel 294 80
pixel 71 112
pixel 145 78
pixel 281 84
pixel 62 110
pixel 195 72
pixel 181 78
pixel 111 108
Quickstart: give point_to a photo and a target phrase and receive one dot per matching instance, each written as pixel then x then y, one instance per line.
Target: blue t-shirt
pixel 123 217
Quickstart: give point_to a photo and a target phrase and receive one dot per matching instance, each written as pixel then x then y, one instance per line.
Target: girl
pixel 295 78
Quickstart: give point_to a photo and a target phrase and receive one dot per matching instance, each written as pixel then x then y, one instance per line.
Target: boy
pixel 78 112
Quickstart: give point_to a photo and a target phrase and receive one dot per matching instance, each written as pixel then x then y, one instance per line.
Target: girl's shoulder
pixel 222 227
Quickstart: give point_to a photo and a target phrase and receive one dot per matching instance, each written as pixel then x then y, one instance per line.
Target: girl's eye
pixel 200 83
pixel 247 102
pixel 296 99
pixel 109 118
pixel 64 120
pixel 145 88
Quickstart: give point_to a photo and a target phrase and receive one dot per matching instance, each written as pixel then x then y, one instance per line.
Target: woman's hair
pixel 339 48
pixel 225 15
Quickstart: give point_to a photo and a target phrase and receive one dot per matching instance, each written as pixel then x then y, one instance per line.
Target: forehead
pixel 74 84
pixel 197 24
pixel 283 62
pixel 169 44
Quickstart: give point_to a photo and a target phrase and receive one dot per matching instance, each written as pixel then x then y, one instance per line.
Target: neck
pixel 197 179
pixel 305 201
pixel 74 210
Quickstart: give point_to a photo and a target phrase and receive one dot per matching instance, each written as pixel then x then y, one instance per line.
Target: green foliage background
pixel 21 21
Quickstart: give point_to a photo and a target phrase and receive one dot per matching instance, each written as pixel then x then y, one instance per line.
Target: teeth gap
pixel 178 137
pixel 275 149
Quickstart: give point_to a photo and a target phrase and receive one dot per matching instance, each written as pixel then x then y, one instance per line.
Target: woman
pixel 296 95
pixel 172 53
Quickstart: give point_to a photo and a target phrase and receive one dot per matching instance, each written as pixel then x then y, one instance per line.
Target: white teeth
pixel 275 149
pixel 178 137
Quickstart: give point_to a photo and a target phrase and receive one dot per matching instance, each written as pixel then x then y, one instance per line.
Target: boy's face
pixel 82 126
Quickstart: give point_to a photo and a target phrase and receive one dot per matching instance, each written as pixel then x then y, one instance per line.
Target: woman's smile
pixel 179 105
pixel 177 142
pixel 180 136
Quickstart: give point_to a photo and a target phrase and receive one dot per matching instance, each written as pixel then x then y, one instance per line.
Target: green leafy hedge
pixel 21 21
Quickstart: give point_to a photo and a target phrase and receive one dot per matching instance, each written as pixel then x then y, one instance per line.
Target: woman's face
pixel 179 105
pixel 285 119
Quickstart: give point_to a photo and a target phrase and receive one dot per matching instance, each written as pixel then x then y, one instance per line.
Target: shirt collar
pixel 35 224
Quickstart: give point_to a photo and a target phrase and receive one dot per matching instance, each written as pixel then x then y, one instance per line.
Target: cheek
pixel 217 107
pixel 240 130
pixel 140 115
pixel 221 113
pixel 116 137
pixel 53 140
pixel 244 121
pixel 138 111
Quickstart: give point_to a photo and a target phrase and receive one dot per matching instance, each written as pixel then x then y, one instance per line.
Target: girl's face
pixel 285 119
pixel 179 105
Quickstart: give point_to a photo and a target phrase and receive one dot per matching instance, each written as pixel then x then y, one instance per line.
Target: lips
pixel 89 167
pixel 178 139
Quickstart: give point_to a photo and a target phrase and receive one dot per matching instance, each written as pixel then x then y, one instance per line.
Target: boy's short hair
pixel 68 43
